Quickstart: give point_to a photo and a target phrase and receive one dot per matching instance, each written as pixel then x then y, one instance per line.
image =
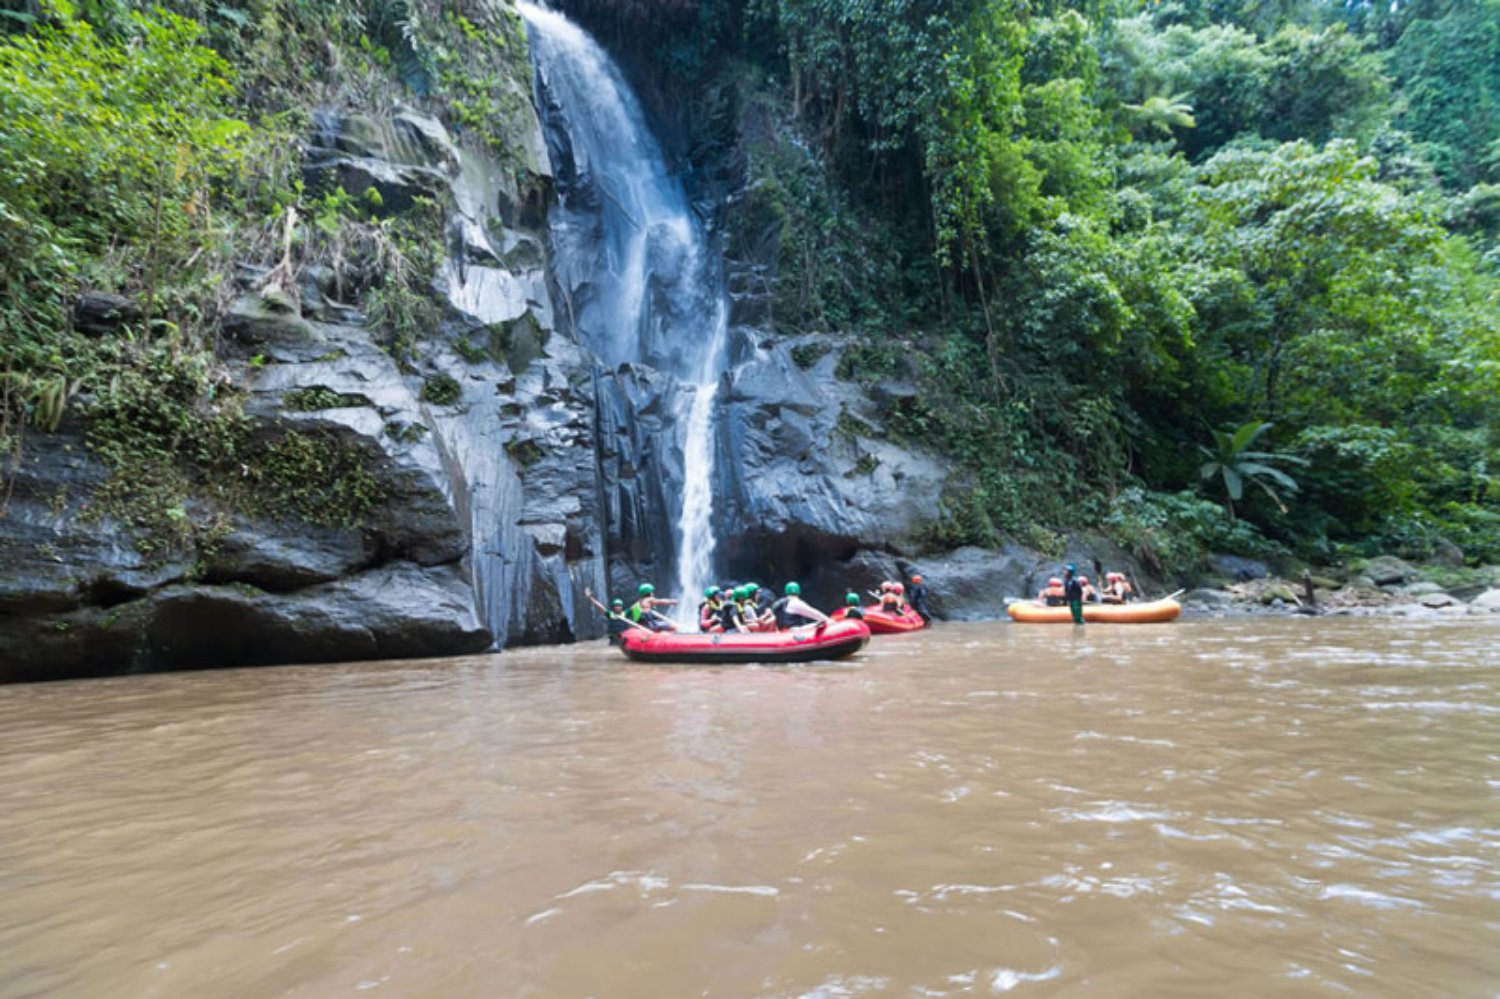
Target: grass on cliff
pixel 145 150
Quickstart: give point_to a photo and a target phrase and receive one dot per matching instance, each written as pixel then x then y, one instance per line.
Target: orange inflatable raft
pixel 1147 612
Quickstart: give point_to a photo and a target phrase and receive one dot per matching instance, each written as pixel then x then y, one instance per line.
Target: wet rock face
pixel 488 525
pixel 810 458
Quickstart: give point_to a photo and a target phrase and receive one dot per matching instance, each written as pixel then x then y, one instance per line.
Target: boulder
pixel 1421 589
pixel 972 584
pixel 258 319
pixel 399 610
pixel 1437 599
pixel 1209 599
pixel 280 557
pixel 1387 570
pixel 1238 569
pixel 101 312
pixel 1487 601
pixel 1446 553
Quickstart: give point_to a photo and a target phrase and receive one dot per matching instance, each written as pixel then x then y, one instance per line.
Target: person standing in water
pixel 1073 592
pixel 916 596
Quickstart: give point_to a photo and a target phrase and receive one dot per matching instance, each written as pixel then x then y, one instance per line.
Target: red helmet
pixel 916 578
pixel 1054 581
pixel 897 589
pixel 1114 575
pixel 885 586
pixel 1083 579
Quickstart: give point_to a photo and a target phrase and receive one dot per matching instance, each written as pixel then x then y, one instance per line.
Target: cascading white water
pixel 655 295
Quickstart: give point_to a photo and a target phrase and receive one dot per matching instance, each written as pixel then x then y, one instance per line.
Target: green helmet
pixel 745 592
pixel 617 602
pixel 792 590
pixel 645 590
pixel 852 599
pixel 710 592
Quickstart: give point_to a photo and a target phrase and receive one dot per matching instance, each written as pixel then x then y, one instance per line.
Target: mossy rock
pixel 1279 591
pixel 519 342
pixel 525 452
pixel 805 355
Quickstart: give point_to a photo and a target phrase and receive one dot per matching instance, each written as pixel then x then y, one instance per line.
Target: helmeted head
pixel 1083 579
pixel 1054 581
pixel 916 579
pixel 885 587
pixel 1114 575
pixel 1070 568
pixel 792 590
pixel 852 599
pixel 898 589
pixel 744 592
pixel 711 592
pixel 645 590
pixel 617 604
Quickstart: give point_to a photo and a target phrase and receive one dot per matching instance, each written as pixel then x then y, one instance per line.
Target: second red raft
pixel 800 645
pixel 885 623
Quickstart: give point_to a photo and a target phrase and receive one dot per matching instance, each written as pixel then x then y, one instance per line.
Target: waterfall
pixel 625 232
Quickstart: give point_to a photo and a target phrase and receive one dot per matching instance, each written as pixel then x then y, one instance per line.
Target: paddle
pixel 608 613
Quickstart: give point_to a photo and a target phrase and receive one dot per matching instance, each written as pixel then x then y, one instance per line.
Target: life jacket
pixel 708 616
pixel 1055 596
pixel 636 612
pixel 730 618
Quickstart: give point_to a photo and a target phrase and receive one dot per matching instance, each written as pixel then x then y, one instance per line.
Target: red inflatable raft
pixel 802 645
pixel 885 623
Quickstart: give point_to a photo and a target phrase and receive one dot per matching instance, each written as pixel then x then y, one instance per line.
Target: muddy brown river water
pixel 1231 808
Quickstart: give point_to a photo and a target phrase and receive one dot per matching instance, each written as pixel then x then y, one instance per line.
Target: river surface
pixel 1231 808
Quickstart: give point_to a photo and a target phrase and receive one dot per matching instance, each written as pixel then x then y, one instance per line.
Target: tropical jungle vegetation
pixel 1101 236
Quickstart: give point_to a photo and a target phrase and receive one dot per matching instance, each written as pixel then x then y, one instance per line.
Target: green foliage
pixel 1447 61
pixel 316 397
pixel 313 477
pixel 110 153
pixel 1171 533
pixel 1141 225
pixel 525 452
pixel 1232 462
pixel 441 390
pixel 805 355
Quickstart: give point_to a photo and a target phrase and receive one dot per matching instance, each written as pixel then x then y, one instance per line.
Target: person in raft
pixel 618 623
pixel 710 609
pixel 852 610
pixel 1053 594
pixel 890 598
pixel 1117 589
pixel 1090 595
pixel 644 612
pixel 792 611
pixel 1073 591
pixel 732 616
pixel 916 595
pixel 750 612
